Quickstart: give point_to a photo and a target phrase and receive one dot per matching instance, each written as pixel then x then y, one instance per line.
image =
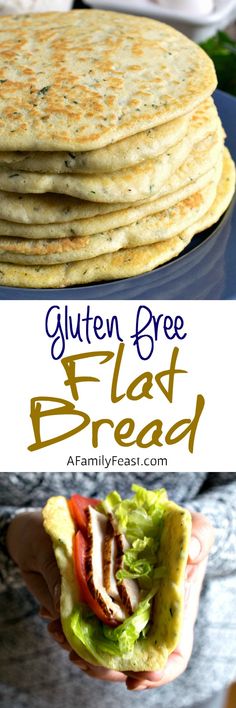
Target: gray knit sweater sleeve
pixel 218 503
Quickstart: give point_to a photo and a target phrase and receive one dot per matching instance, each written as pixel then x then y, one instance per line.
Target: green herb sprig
pixel 222 50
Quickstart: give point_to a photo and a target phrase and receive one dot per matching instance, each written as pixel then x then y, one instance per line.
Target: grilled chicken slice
pixel 109 562
pixel 128 588
pixel 96 528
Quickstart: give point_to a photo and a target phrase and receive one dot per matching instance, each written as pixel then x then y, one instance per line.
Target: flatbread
pixel 202 157
pixel 127 262
pixel 50 208
pixel 152 229
pixel 106 222
pixel 55 94
pixel 127 185
pixel 225 193
pixel 124 153
pixel 151 653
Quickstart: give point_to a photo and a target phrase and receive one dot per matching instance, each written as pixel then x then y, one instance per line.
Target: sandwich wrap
pixel 122 566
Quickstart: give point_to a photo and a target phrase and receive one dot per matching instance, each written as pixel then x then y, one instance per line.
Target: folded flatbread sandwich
pixel 122 566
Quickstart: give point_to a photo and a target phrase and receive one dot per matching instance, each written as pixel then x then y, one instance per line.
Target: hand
pixel 30 547
pixel 201 541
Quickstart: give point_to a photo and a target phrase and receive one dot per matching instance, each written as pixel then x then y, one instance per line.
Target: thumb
pixel 202 538
pixel 51 575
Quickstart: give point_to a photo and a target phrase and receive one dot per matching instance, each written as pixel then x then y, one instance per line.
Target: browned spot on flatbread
pixel 133 54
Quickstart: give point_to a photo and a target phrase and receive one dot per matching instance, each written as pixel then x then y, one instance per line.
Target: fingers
pixel 176 665
pixel 56 631
pixel 143 679
pixel 51 575
pixel 202 538
pixel 97 672
pixel 137 685
pixel 43 561
pixel 146 675
pixel 37 560
pixel 44 613
pixel 39 588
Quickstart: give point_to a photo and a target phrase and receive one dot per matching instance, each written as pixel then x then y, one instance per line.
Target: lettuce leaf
pixel 140 519
pixel 99 638
pixel 111 501
pixel 139 516
pixel 130 630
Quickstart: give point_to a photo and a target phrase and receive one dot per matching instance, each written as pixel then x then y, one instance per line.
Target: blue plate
pixel 205 270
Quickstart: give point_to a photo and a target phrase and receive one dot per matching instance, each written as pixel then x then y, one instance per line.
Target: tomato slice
pixel 80 548
pixel 77 506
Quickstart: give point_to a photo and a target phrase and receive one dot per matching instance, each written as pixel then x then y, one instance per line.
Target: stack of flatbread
pixel 111 149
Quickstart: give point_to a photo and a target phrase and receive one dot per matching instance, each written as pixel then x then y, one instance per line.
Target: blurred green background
pixel 222 50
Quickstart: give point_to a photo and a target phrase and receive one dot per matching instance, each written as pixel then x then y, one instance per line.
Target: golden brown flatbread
pixel 126 262
pixel 55 94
